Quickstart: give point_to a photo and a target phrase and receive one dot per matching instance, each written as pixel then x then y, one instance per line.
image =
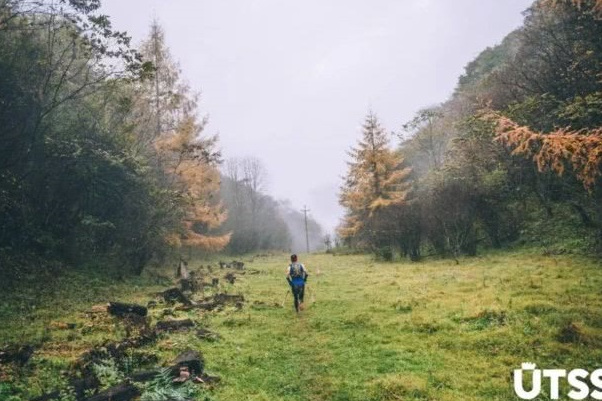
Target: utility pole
pixel 305 211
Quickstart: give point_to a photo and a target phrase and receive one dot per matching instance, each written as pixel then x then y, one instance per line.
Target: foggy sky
pixel 291 81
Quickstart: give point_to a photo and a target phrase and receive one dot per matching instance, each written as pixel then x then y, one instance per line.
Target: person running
pixel 296 275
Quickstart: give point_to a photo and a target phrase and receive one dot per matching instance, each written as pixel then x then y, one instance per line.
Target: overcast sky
pixel 291 81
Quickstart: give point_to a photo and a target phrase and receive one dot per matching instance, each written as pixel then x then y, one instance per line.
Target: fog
pixel 290 82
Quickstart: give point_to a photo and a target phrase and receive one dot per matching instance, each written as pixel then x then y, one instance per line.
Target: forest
pixel 106 158
pixel 137 261
pixel 513 157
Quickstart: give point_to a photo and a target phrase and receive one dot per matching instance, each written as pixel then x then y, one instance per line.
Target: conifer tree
pixel 375 180
pixel 170 126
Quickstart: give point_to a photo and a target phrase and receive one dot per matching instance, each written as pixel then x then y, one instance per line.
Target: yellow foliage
pixel 375 179
pixel 582 150
pixel 197 181
pixel 207 243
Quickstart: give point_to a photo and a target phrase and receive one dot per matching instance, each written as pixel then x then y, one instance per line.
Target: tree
pixel 254 218
pixel 430 134
pixel 167 118
pixel 375 181
pixel 196 181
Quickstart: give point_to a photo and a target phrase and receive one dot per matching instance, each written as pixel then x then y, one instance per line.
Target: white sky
pixel 291 81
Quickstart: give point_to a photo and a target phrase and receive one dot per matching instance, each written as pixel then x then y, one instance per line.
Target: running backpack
pixel 296 270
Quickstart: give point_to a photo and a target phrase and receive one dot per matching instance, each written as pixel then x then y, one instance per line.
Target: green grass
pixel 433 330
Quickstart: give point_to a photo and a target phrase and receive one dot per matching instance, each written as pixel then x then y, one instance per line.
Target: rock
pixel 122 309
pixel 174 325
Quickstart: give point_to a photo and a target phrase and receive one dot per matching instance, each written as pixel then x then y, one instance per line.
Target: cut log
pixel 121 392
pixel 192 359
pixel 207 335
pixel 81 386
pixel 16 354
pixel 230 277
pixel 208 306
pixel 120 309
pixel 208 379
pixel 174 325
pixel 55 395
pixel 187 284
pixel 115 350
pixel 175 295
pixel 102 308
pixel 182 270
pixel 144 375
pixel 227 298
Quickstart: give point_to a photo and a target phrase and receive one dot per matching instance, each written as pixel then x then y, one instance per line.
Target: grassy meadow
pixel 433 330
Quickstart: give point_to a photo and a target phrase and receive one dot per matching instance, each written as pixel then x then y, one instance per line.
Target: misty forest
pixel 139 261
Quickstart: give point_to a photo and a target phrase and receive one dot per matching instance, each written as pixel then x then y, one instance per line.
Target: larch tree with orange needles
pixel 581 151
pixel 191 163
pixel 375 181
pixel 167 113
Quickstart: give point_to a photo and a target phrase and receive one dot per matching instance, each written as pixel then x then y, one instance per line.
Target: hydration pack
pixel 296 270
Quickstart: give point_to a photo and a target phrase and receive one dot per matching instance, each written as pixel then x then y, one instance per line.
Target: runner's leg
pixel 296 297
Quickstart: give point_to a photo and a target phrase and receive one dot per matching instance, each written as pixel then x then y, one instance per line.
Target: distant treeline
pixel 256 220
pixel 514 155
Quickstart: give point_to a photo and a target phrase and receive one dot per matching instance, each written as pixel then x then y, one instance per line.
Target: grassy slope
pixel 433 330
pixel 372 331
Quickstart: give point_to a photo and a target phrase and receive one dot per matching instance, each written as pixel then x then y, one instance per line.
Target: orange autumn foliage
pixel 579 150
pixel 184 158
pixel 375 179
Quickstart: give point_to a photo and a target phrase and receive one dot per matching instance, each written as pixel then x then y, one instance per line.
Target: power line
pixel 305 211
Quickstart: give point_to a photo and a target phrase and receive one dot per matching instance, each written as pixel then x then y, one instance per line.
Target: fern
pixel 163 388
pixel 107 373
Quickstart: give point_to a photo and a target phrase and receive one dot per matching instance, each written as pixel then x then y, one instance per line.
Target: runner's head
pixel 293 258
